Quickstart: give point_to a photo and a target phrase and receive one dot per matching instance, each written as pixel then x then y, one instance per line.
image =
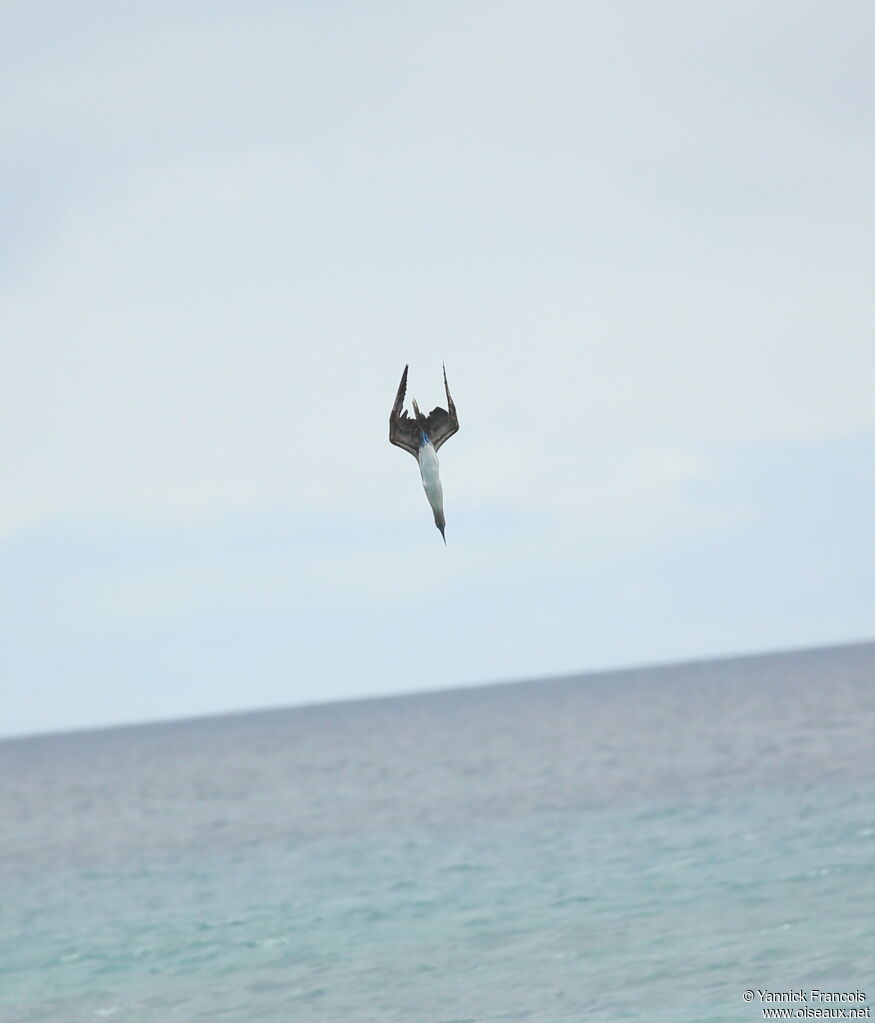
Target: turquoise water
pixel 640 845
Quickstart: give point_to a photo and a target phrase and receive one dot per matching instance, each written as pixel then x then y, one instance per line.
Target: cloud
pixel 745 547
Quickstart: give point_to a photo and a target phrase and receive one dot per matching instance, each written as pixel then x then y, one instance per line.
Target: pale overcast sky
pixel 640 234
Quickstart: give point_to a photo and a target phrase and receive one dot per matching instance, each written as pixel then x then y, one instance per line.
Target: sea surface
pixel 634 845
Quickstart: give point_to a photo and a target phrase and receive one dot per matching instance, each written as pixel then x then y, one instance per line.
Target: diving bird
pixel 422 436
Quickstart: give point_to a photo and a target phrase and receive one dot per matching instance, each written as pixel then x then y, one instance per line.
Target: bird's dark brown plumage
pixel 406 432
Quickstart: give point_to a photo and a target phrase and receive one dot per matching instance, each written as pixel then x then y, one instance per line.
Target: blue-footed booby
pixel 422 436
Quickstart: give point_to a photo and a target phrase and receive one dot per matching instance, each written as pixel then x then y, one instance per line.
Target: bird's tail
pixel 421 420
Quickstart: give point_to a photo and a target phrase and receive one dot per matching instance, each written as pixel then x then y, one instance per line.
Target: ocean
pixel 644 844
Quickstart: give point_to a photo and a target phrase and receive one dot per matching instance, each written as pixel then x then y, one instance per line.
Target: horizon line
pixel 589 673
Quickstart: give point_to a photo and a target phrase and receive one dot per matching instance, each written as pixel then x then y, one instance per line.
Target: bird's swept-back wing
pixel 442 424
pixel 403 431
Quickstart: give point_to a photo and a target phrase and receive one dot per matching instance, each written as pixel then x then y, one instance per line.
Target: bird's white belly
pixel 430 471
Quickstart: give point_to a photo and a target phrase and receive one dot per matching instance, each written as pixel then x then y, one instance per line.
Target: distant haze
pixel 641 238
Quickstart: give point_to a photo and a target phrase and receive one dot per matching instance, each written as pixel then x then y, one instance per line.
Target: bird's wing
pixel 441 423
pixel 403 431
